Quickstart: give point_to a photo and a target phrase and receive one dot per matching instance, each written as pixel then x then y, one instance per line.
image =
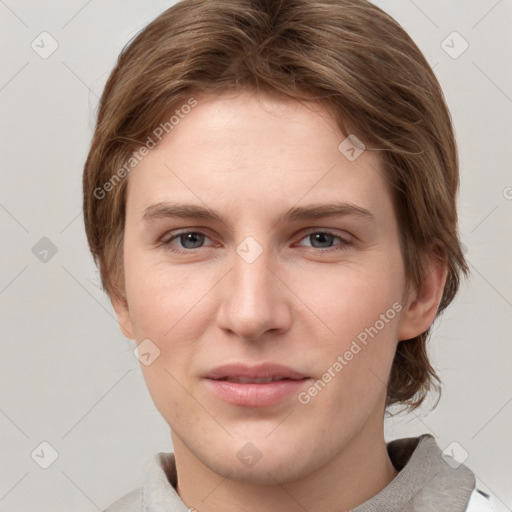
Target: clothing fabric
pixel 426 482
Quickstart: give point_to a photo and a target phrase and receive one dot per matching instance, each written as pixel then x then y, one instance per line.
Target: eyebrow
pixel 296 213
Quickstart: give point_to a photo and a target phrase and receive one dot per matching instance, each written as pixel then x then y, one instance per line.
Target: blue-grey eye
pixel 191 240
pixel 321 240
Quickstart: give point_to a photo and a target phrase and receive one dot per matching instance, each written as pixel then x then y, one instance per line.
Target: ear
pixel 122 310
pixel 422 303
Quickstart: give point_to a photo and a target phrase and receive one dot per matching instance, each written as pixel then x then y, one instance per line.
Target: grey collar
pixel 159 492
pixel 425 482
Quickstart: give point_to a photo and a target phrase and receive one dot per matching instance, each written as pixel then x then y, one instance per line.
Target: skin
pixel 250 158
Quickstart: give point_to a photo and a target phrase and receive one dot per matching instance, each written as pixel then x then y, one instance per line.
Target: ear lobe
pixel 122 310
pixel 423 302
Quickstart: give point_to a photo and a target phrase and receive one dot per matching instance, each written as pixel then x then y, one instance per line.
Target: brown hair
pixel 347 54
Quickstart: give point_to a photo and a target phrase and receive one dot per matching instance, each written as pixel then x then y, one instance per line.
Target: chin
pixel 269 470
pixel 281 458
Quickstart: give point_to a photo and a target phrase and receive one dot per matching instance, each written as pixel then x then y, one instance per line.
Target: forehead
pixel 256 150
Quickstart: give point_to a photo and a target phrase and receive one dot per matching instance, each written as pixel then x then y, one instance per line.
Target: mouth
pixel 249 380
pixel 263 371
pixel 254 386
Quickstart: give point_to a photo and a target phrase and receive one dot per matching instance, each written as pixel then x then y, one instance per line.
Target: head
pixel 258 114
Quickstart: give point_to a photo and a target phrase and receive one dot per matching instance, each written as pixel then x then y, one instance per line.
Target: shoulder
pixel 131 502
pixel 479 502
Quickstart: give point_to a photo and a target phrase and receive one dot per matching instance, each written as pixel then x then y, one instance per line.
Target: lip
pixel 260 371
pixel 225 383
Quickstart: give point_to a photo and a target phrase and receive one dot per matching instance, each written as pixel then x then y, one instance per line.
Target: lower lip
pixel 255 394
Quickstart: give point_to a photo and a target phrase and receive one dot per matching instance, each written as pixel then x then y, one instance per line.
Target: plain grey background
pixel 68 376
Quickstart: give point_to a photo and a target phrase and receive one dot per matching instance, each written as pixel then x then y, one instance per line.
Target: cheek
pixel 349 298
pixel 165 308
pixel 362 308
pixel 161 295
pixel 340 299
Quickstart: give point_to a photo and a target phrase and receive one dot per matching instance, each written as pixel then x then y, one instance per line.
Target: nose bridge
pixel 253 302
pixel 251 273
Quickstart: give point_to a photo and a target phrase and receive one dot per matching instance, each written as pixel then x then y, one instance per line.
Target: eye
pixel 188 241
pixel 325 241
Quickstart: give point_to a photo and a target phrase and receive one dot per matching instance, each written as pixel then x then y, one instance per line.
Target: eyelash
pixel 166 243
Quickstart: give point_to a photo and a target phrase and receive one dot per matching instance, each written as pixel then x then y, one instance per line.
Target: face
pixel 256 251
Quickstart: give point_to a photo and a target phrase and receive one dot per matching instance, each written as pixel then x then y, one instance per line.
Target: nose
pixel 255 305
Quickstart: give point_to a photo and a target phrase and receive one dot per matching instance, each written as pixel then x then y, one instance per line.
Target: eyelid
pixel 345 240
pixel 174 234
pixel 347 237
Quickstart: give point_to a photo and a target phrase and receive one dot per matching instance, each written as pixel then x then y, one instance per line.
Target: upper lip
pixel 260 371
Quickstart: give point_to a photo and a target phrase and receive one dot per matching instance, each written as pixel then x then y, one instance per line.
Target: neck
pixel 357 473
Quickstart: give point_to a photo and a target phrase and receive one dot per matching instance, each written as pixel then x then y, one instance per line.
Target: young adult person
pixel 270 195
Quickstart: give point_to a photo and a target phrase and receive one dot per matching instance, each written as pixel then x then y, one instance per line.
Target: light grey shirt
pixel 426 482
